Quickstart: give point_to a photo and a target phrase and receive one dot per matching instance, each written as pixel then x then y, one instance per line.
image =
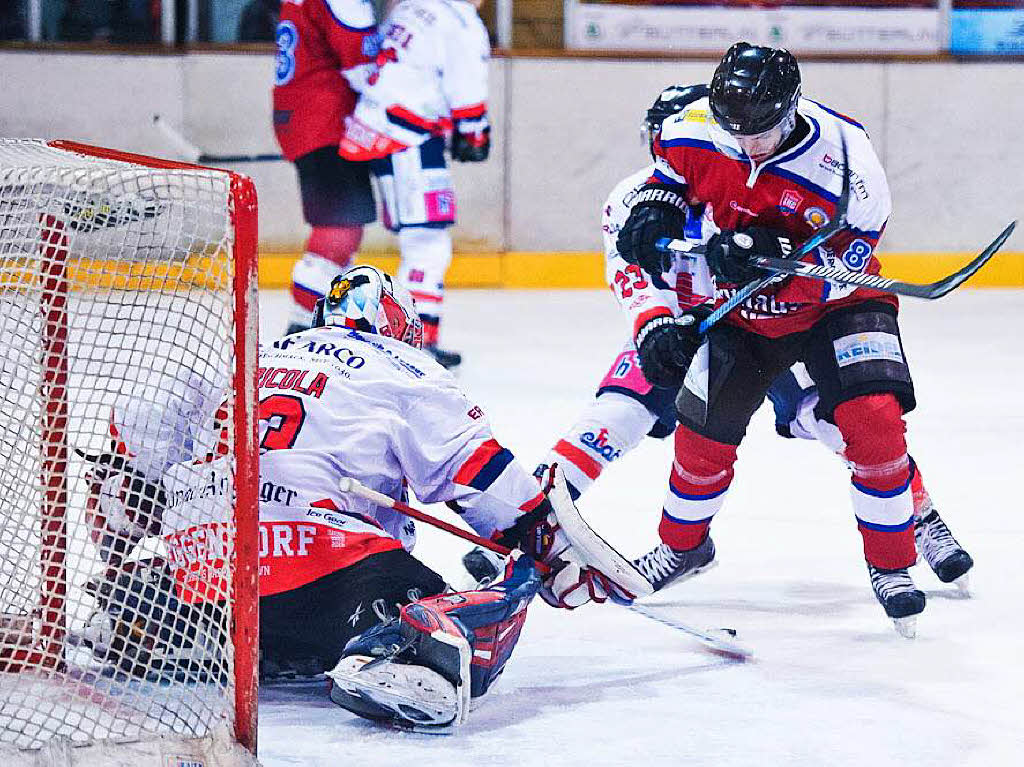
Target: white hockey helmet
pixel 367 299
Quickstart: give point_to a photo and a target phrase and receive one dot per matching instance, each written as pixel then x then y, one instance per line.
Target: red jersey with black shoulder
pixel 796 192
pixel 317 41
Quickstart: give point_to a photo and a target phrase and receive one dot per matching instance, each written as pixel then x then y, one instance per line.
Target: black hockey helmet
pixel 670 101
pixel 754 89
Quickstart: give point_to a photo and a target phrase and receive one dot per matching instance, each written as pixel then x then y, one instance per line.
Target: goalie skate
pixel 407 696
pixel 940 550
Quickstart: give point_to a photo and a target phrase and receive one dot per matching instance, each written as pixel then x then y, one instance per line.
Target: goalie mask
pixel 365 298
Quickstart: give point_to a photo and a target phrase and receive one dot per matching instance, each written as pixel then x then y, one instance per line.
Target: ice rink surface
pixel 832 683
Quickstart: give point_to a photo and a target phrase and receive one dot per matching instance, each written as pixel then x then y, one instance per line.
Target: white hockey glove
pixel 124 505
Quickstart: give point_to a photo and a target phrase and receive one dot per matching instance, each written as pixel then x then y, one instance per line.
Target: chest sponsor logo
pixel 600 445
pixel 835 166
pixel 761 307
pixel 790 202
pixel 867 347
pixel 272 493
pixel 740 209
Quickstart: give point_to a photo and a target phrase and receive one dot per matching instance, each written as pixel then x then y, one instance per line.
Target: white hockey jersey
pixel 641 296
pixel 431 71
pixel 338 403
pixel 333 403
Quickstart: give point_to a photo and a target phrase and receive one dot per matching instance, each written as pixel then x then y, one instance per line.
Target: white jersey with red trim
pixel 333 403
pixel 641 296
pixel 431 71
pixel 338 403
pixel 171 428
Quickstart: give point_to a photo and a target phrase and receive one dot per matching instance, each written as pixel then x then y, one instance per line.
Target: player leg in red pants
pixel 336 202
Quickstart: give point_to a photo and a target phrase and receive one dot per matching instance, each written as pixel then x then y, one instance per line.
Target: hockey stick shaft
pixel 930 290
pixel 712 641
pixel 192 153
pixel 355 487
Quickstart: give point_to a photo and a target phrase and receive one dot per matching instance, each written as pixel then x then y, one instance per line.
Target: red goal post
pixel 127 284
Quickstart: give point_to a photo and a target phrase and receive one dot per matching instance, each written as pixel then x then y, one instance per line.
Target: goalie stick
pixel 837 222
pixel 720 643
pixel 191 153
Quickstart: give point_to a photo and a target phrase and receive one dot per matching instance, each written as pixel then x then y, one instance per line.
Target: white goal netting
pixel 127 582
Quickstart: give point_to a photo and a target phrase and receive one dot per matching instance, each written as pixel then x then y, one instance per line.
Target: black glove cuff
pixel 650 326
pixel 661 194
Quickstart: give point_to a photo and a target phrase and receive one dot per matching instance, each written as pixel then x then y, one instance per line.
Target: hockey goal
pixel 126 282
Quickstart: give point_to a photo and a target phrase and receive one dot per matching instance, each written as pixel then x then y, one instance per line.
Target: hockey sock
pixel 922 500
pixel 611 426
pixel 426 254
pixel 329 251
pixel 700 477
pixel 873 429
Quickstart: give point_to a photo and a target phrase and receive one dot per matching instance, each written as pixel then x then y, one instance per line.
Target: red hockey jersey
pixel 796 192
pixel 316 41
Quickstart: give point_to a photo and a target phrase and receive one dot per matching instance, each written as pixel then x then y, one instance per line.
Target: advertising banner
pixel 711 26
pixel 987 27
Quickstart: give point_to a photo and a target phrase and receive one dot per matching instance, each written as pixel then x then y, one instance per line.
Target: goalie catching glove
pixel 584 567
pixel 124 505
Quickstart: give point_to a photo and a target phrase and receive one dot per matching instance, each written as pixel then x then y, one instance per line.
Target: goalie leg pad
pixel 421 671
pixel 592 552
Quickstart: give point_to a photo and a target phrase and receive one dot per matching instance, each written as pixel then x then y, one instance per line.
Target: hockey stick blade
pixel 717 640
pixel 837 222
pixel 191 153
pixel 930 290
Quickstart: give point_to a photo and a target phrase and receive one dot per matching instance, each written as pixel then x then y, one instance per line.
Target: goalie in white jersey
pixel 430 83
pixel 354 397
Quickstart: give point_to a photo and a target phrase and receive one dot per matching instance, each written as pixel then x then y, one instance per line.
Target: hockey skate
pixel 444 357
pixel 900 598
pixel 664 566
pixel 940 550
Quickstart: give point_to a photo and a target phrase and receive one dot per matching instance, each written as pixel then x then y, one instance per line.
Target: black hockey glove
pixel 729 252
pixel 471 140
pixel 659 211
pixel 667 345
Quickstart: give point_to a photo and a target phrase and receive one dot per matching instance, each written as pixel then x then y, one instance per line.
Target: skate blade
pixel 906 627
pixel 692 574
pixel 963 586
pixel 416 698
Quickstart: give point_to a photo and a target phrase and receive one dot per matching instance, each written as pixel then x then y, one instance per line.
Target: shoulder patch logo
pixel 816 217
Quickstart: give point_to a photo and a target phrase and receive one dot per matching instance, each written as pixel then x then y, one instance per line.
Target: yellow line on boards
pixel 586 270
